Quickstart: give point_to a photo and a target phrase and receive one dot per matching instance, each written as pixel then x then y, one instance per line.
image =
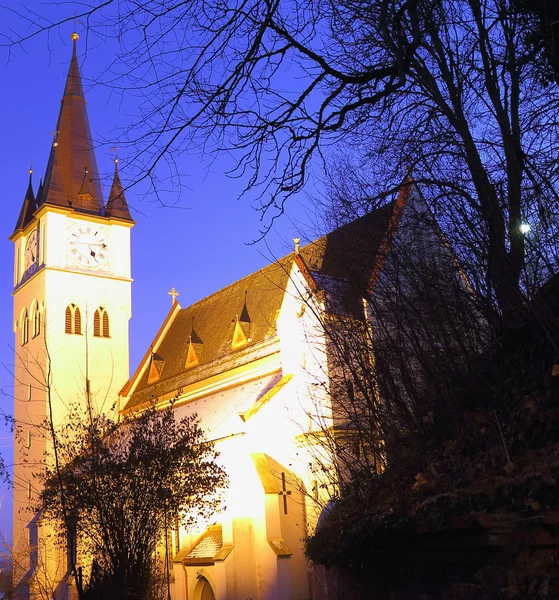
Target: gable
pixel 209 336
pixel 344 263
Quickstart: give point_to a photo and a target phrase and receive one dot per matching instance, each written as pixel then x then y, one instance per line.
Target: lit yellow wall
pixel 65 359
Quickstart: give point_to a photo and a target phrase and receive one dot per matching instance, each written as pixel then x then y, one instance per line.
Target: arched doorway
pixel 204 590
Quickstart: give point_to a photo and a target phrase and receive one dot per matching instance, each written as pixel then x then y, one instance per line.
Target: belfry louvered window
pixel 101 323
pixel 36 319
pixel 24 327
pixel 73 322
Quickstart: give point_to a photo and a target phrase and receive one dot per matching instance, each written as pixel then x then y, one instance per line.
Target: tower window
pixel 73 322
pixel 36 319
pixel 101 323
pixel 24 327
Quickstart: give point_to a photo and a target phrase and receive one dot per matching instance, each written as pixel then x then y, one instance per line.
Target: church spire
pixel 117 206
pixel 72 152
pixel 28 207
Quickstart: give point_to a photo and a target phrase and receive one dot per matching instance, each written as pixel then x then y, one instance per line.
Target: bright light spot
pixel 524 227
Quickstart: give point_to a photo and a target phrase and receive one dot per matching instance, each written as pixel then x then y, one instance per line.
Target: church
pixel 251 360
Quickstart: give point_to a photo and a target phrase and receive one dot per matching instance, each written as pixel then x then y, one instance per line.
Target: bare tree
pixel 38 575
pixel 401 326
pixel 452 89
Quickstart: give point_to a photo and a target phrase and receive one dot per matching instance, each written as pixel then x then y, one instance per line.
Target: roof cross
pixel 284 492
pixel 173 293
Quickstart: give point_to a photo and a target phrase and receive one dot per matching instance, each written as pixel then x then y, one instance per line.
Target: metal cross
pixel 173 293
pixel 284 492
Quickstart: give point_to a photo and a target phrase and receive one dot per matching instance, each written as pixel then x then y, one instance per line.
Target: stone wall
pixel 486 557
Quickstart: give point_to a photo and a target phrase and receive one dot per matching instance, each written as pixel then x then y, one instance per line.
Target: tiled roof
pixel 341 262
pixel 72 177
pixel 72 158
pixel 213 320
pixel 116 204
pixel 206 548
pixel 28 207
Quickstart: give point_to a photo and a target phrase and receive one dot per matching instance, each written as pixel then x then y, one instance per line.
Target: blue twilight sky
pixel 198 248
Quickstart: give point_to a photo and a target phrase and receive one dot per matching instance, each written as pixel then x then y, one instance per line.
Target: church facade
pixel 250 360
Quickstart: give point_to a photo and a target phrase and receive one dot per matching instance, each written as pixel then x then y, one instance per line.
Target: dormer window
pixel 73 323
pixel 195 345
pixel 191 356
pixel 101 323
pixel 241 333
pixel 155 368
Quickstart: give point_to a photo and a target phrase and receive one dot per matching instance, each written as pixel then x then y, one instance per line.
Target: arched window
pixel 101 323
pixel 36 319
pixel 73 323
pixel 24 327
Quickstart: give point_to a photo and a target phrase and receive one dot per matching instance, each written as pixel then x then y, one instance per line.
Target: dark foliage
pixel 544 35
pixel 495 449
pixel 119 484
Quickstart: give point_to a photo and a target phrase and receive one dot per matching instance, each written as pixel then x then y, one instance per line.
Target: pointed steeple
pixel 72 152
pixel 28 207
pixel 39 191
pixel 117 206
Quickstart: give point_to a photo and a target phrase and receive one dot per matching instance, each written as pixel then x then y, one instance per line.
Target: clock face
pixel 31 251
pixel 88 246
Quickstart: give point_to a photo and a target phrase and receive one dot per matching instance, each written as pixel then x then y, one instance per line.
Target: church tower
pixel 72 302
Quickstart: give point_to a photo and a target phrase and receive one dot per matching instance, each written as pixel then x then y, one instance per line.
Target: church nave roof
pixel 237 324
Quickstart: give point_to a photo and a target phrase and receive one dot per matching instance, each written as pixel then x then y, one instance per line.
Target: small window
pixel 24 328
pixel 29 438
pixel 101 323
pixel 29 489
pixel 96 324
pixel 240 334
pixel 36 319
pixel 191 356
pixel 73 320
pixel 155 368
